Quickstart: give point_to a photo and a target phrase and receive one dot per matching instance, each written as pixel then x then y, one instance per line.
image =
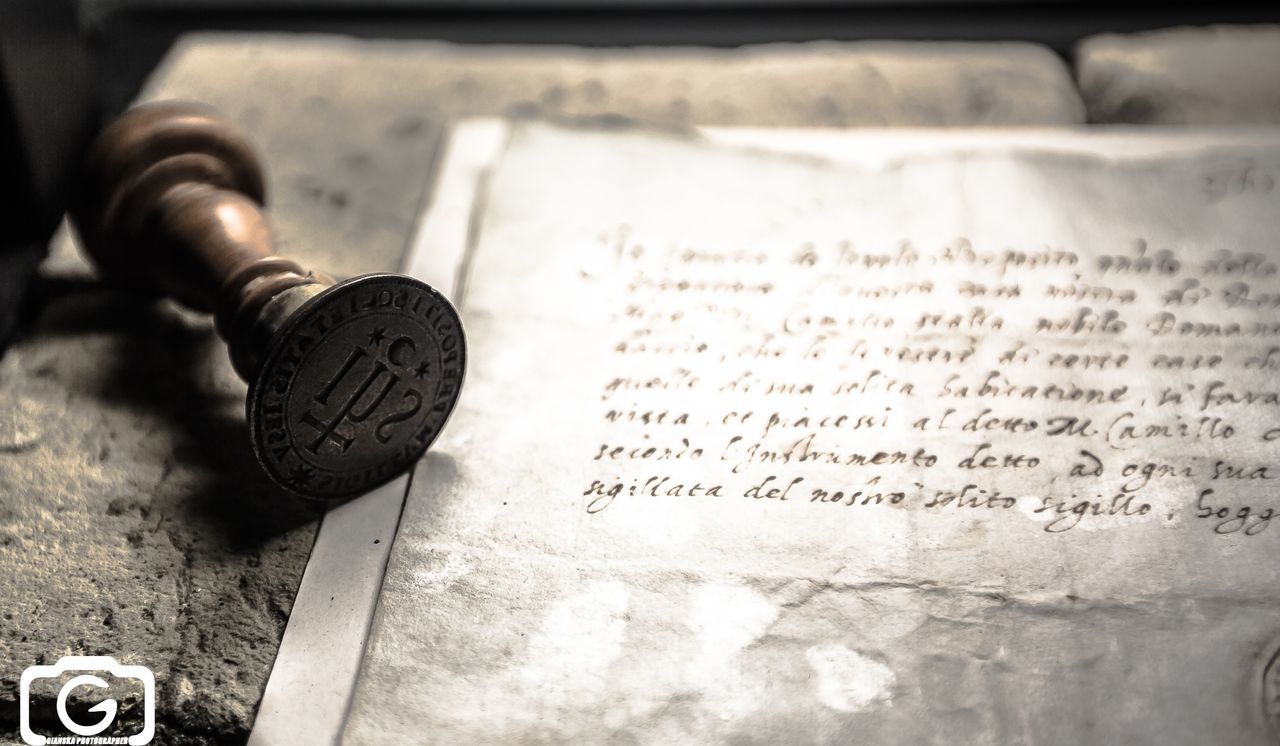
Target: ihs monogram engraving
pixel 367 381
pixel 366 398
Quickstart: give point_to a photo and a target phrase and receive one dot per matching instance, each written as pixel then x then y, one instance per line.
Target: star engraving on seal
pixel 377 336
pixel 301 475
pixel 422 370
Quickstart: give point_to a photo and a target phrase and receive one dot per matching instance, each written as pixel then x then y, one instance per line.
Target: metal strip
pixel 321 652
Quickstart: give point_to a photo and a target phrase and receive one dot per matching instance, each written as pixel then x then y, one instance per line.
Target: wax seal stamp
pixel 349 382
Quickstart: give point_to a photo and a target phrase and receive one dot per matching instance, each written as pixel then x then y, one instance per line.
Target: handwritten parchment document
pixel 979 446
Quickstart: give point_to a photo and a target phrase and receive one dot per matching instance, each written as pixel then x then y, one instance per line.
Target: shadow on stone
pixel 168 366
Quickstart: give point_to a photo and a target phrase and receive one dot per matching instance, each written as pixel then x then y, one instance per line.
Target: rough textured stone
pixel 822 84
pixel 1213 75
pixel 133 521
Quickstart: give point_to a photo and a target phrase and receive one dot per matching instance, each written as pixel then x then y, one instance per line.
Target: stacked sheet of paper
pixel 961 444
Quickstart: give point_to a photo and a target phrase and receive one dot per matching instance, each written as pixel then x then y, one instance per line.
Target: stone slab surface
pixel 133 521
pixel 1212 75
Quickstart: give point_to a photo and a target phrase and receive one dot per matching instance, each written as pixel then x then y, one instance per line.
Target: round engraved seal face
pixel 357 384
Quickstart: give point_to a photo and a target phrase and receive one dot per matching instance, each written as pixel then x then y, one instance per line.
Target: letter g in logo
pixel 106 707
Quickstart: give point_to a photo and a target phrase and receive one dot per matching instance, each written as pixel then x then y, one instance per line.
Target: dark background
pixel 67 66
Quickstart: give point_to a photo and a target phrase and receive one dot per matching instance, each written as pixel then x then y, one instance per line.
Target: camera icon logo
pixel 88 666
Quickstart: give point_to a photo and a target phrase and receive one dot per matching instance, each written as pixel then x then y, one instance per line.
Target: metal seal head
pixel 356 385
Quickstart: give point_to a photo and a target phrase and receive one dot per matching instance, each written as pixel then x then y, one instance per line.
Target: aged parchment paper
pixel 970 447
